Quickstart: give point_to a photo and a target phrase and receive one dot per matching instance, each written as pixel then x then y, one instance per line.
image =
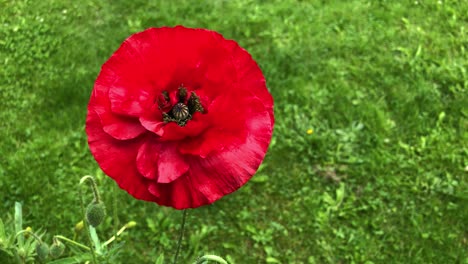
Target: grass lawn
pixel 368 162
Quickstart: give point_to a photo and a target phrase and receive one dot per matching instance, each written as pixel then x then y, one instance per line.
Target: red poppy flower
pixel 179 116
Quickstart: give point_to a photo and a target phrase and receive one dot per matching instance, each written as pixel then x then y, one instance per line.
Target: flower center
pixel 183 109
pixel 180 111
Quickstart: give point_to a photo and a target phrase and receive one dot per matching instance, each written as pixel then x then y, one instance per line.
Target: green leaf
pixel 272 260
pixel 8 252
pixel 19 222
pixel 2 232
pixel 95 238
pixel 340 194
pixel 260 178
pixel 211 258
pixel 160 259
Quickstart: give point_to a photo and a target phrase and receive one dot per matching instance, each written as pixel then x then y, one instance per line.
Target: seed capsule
pixel 180 111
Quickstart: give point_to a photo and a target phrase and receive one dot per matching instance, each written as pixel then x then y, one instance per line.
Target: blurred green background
pixel 369 156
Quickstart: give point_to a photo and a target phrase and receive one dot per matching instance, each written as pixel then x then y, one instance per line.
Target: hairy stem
pixel 97 198
pixel 181 235
pixel 83 211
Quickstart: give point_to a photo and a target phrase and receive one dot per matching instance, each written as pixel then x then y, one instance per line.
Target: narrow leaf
pixel 19 222
pixel 160 259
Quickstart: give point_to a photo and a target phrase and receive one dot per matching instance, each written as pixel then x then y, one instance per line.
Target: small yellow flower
pixel 310 131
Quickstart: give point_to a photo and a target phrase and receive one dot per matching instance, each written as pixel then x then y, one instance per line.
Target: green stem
pixel 181 235
pixel 114 208
pixel 114 236
pixel 83 211
pixel 72 242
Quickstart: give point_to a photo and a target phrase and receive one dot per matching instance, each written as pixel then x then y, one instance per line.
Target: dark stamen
pixel 166 96
pixel 194 104
pixel 163 100
pixel 182 94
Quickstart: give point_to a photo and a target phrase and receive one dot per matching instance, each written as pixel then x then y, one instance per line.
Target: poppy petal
pixel 224 172
pixel 147 160
pixel 160 161
pixel 249 74
pixel 180 194
pixel 117 126
pixel 171 164
pixel 117 158
pixel 220 173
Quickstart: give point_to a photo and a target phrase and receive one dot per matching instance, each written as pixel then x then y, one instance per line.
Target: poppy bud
pixel 42 250
pixel 79 226
pixel 28 232
pixel 131 224
pixel 57 249
pixel 95 213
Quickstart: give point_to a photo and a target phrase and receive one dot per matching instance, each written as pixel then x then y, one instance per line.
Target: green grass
pixel 383 84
